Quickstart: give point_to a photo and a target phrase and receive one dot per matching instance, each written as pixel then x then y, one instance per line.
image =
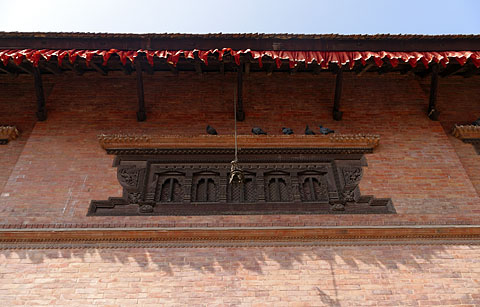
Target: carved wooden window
pixel 194 181
pixel 244 192
pixel 169 189
pixel 313 188
pixel 277 188
pixel 205 188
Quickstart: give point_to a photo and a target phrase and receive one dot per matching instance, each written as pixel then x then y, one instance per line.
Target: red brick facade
pixel 408 275
pixel 52 172
pixel 57 168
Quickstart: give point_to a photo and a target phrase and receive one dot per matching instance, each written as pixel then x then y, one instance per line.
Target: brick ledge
pixel 251 236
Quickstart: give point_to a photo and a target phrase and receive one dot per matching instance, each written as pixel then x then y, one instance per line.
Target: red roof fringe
pixel 322 58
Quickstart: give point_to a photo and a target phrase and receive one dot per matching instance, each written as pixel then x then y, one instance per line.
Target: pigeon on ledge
pixel 211 130
pixel 258 131
pixel 325 130
pixel 308 131
pixel 477 122
pixel 287 131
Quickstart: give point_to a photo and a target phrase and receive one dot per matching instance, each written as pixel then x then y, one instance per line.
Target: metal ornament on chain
pixel 236 173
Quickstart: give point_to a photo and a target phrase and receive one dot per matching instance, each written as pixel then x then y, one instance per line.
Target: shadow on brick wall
pixel 324 272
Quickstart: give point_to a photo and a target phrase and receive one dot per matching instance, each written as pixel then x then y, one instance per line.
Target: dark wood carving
pixel 161 180
pixel 8 133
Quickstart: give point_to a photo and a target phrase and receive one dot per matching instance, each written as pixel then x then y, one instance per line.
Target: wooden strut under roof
pixel 247 53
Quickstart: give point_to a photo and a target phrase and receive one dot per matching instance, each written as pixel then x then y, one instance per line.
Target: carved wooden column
pixel 223 186
pixel 187 198
pixel 295 187
pixel 260 187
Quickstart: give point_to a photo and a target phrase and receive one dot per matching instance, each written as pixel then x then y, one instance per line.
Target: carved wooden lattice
pixel 194 181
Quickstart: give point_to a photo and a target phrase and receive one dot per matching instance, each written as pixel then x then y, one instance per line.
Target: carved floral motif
pixel 128 176
pixel 352 175
pixel 134 198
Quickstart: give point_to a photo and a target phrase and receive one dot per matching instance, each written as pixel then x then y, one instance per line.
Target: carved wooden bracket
pixel 171 175
pixel 8 133
pixel 468 134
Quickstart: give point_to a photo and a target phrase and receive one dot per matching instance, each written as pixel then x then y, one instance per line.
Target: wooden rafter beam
pixel 433 113
pixel 470 71
pixel 127 69
pixel 270 68
pixel 75 67
pixel 405 69
pixel 451 69
pixel 198 67
pixel 41 109
pixel 222 67
pixel 53 68
pixel 141 114
pixel 173 68
pixel 6 69
pixel 337 114
pixel 294 69
pixel 25 68
pixel 149 69
pixel 423 73
pixel 103 71
pixel 247 68
pixel 365 69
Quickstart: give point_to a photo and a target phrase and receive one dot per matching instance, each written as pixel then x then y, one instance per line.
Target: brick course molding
pixel 8 133
pixel 235 236
pixel 283 175
pixel 468 134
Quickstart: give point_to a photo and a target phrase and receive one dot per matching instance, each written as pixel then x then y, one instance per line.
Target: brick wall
pixel 61 167
pixel 17 108
pixel 459 103
pixel 389 275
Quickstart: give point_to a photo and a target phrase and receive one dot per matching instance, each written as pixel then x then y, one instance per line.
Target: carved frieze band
pixel 204 237
pixel 468 134
pixel 8 133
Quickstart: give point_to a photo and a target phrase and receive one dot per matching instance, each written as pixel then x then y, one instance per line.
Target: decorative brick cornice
pixel 468 134
pixel 335 141
pixel 255 236
pixel 8 133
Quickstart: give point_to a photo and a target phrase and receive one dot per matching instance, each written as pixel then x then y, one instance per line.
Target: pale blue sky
pixel 207 16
